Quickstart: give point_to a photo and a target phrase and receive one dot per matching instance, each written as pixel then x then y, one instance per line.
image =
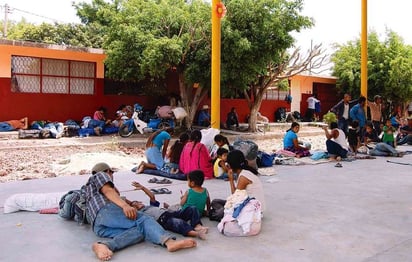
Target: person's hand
pixel 130 212
pixel 137 185
pixel 230 174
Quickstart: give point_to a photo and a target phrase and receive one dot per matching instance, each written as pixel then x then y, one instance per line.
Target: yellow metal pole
pixel 215 94
pixel 364 49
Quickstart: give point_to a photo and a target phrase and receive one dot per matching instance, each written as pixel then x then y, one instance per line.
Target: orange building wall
pixel 56 107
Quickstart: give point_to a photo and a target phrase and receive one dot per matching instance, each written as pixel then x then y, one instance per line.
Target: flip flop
pixel 164 190
pixel 155 191
pixel 164 181
pixel 338 165
pixel 153 180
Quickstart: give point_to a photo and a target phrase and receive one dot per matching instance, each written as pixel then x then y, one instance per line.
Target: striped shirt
pixel 94 199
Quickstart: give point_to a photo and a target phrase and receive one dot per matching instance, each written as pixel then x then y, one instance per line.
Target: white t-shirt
pixel 311 102
pixel 345 111
pixel 341 139
pixel 254 189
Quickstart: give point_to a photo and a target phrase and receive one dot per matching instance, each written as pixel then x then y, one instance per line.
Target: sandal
pixel 155 191
pixel 164 181
pixel 338 165
pixel 164 190
pixel 153 180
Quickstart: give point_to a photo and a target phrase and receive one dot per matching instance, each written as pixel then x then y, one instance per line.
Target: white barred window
pixel 52 76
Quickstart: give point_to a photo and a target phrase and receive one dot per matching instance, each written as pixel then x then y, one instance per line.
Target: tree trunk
pixel 190 102
pixel 254 109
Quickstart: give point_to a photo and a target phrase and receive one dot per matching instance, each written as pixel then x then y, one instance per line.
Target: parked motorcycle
pixel 134 123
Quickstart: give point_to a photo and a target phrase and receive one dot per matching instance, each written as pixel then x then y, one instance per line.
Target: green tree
pixel 256 38
pixel 389 67
pixel 146 39
pixel 62 34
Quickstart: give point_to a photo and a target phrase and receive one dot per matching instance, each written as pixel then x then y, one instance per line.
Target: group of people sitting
pixel 127 222
pixel 187 153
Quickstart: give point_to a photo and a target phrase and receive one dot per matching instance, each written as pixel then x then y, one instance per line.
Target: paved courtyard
pixel 361 212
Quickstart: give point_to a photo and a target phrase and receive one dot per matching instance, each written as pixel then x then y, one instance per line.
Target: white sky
pixel 336 21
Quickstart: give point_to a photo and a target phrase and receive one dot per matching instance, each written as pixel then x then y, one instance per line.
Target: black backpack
pixel 73 206
pixel 217 209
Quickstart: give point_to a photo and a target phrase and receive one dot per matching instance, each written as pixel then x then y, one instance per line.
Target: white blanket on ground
pixel 32 201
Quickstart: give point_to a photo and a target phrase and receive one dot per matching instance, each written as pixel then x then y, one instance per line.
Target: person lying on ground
pixel 115 218
pixel 12 125
pixel 173 220
pixel 48 128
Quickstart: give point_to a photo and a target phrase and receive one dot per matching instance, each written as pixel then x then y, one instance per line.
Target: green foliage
pixel 62 34
pixel 389 67
pixel 148 38
pixel 329 118
pixel 255 34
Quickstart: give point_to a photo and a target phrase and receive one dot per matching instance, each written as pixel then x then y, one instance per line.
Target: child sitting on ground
pixel 175 221
pixel 196 195
pixel 173 155
pixel 354 136
pixel 389 134
pixel 220 168
pixel 220 141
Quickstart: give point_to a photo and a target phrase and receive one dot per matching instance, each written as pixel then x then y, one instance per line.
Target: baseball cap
pixel 99 167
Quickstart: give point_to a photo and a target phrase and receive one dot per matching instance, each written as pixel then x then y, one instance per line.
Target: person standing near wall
pixel 310 112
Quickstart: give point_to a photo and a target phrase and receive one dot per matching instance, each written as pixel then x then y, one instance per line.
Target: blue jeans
pixel 56 129
pixel 154 156
pixel 96 123
pixel 405 140
pixel 4 127
pixel 111 223
pixel 335 149
pixel 383 149
pixel 177 221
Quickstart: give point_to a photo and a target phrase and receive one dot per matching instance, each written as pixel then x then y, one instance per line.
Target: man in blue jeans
pixel 118 219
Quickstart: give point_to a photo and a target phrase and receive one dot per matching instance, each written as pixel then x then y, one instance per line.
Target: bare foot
pixel 140 169
pixel 166 205
pixel 175 245
pixel 102 252
pixel 201 228
pixel 202 234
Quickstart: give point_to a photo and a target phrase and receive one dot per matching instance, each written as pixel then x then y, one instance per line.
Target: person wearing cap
pixel 204 116
pixel 376 112
pixel 117 218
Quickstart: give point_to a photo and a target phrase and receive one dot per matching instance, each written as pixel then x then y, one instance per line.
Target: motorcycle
pixel 134 123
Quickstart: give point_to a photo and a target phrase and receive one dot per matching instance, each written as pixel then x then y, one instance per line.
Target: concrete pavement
pixel 361 212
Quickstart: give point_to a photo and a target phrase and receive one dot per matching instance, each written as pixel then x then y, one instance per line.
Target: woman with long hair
pixel 291 143
pixel 195 156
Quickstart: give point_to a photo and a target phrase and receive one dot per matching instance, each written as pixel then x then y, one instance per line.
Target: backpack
pixel 217 209
pixel 264 159
pixel 72 206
